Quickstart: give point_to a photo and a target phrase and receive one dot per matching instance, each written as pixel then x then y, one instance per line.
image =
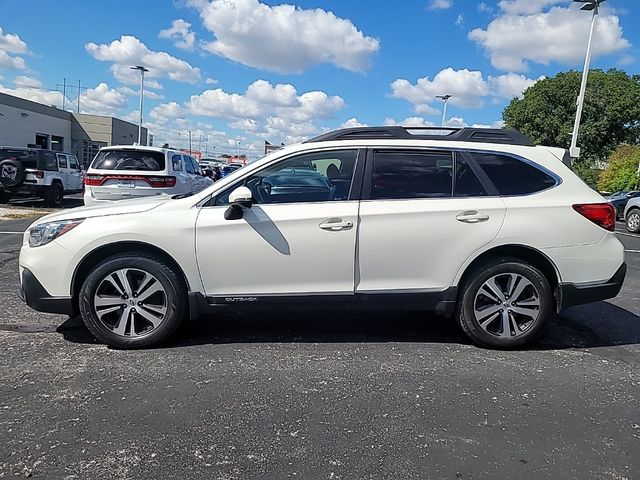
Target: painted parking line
pixel 632 251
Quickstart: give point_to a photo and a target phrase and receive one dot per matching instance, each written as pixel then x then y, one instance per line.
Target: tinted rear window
pixel 28 158
pixel 128 160
pixel 512 176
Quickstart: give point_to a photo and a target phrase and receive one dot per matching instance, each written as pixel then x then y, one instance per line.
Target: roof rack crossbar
pixel 453 134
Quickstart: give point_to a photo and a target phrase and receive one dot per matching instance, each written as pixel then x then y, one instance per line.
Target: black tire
pixel 4 197
pixel 175 303
pixel 54 195
pixel 12 173
pixel 466 317
pixel 633 220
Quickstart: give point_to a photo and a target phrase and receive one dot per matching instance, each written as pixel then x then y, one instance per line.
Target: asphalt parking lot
pixel 395 396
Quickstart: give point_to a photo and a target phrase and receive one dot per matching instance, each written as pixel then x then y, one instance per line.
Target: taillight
pixel 161 182
pixel 602 214
pixel 94 180
pixel 153 181
pixel 38 174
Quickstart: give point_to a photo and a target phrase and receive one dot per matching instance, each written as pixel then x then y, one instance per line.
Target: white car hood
pixel 120 207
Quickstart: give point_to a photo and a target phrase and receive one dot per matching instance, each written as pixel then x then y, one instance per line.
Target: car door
pixel 423 214
pixel 189 172
pixel 75 174
pixel 298 238
pixel 63 169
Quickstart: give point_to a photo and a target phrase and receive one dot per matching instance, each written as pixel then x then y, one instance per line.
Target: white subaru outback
pixel 477 224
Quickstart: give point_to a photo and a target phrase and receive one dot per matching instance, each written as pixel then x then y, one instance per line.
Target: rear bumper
pixel 34 294
pixel 572 294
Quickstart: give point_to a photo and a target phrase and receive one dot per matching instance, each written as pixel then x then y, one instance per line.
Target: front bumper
pixel 572 294
pixel 34 294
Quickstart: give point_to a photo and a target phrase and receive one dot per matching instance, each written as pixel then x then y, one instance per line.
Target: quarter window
pixel 411 174
pixel 176 162
pixel 512 176
pixel 312 177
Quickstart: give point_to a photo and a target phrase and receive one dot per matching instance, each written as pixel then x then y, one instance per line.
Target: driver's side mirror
pixel 239 199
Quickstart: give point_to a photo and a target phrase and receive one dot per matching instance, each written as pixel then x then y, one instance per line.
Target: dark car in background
pixel 620 200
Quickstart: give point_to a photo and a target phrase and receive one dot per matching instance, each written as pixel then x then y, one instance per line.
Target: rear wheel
pixel 131 301
pixel 633 221
pixel 4 197
pixel 54 195
pixel 505 304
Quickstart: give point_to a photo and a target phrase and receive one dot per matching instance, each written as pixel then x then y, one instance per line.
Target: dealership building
pixel 24 123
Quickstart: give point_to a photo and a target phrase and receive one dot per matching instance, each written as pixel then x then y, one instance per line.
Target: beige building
pixel 24 123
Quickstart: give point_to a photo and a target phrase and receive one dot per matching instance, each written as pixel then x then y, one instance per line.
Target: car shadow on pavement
pixel 599 325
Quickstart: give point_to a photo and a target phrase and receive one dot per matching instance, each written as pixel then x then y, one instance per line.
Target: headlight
pixel 47 232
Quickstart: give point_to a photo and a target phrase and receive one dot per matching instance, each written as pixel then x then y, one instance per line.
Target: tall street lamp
pixel 594 6
pixel 445 99
pixel 142 70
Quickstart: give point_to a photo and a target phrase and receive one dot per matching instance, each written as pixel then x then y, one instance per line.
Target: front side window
pixel 188 165
pixel 129 160
pixel 62 161
pixel 406 174
pixel 512 176
pixel 311 177
pixel 73 162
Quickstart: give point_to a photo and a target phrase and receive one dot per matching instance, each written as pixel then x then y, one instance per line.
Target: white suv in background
pixel 478 224
pixel 127 172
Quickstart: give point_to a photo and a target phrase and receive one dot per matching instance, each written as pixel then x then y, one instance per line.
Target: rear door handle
pixel 335 225
pixel 472 216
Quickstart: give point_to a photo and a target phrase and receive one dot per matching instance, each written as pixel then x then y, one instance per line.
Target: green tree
pixel 611 114
pixel 622 171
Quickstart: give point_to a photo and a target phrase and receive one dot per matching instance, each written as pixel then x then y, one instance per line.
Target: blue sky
pixel 241 71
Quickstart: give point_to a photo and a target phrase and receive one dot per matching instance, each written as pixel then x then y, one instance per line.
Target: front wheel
pixel 132 300
pixel 633 221
pixel 506 304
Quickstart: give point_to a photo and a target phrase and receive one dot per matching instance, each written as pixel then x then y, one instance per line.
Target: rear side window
pixel 411 174
pixel 176 160
pixel 512 176
pixel 467 183
pixel 62 161
pixel 129 160
pixel 50 162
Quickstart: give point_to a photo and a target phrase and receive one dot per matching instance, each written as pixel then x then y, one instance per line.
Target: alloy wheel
pixel 633 223
pixel 507 305
pixel 130 302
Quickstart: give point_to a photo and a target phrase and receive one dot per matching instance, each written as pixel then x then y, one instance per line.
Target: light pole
pixel 445 99
pixel 589 5
pixel 142 70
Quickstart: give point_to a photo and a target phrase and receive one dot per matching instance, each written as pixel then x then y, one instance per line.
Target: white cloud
pixel 518 7
pixel 468 89
pixel 524 33
pixel 27 82
pixel 440 4
pixel 410 122
pixel 101 100
pixel 163 112
pixel 352 123
pixel 262 99
pixel 124 74
pixel 148 94
pixel 128 50
pixel 484 8
pixel 510 85
pixel 283 38
pixel 460 20
pixel 211 81
pixel 11 43
pixel 180 31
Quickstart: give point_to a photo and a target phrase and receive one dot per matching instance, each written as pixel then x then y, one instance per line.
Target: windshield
pixel 129 160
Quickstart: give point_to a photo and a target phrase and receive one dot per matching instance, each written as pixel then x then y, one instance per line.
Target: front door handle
pixel 335 225
pixel 472 216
